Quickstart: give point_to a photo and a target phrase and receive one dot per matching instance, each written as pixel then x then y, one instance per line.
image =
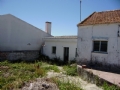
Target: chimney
pixel 48 27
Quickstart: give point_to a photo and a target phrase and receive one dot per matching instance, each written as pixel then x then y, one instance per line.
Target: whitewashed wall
pixel 86 35
pixel 16 34
pixel 60 44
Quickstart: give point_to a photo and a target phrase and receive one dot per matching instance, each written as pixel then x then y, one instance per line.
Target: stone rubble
pixel 40 84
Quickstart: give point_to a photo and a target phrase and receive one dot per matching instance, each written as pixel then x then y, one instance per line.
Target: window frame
pixel 100 46
pixel 53 49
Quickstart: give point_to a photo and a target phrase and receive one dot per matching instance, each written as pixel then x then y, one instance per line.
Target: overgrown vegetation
pixel 63 85
pixel 56 60
pixel 15 75
pixel 52 67
pixel 110 87
pixel 70 70
pixel 105 85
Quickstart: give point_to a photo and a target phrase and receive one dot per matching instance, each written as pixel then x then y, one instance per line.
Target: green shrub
pixel 4 63
pixel 52 67
pixel 55 68
pixel 70 70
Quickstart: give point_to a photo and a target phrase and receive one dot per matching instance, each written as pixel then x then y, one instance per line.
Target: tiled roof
pixel 104 17
pixel 62 37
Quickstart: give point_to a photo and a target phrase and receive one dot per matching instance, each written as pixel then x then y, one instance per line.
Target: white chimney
pixel 48 27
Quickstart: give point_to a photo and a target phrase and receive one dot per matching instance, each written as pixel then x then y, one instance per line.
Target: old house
pixel 63 47
pixel 99 38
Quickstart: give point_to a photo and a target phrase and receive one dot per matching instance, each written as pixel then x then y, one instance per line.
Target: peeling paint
pixel 99 32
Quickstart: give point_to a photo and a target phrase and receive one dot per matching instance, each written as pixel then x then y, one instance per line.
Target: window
pixel 53 50
pixel 100 46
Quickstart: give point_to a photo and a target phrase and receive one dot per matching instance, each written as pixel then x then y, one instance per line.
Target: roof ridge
pixel 26 22
pixel 5 14
pixel 109 10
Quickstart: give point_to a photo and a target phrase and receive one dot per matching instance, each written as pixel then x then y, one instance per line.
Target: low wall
pixel 19 55
pixel 90 77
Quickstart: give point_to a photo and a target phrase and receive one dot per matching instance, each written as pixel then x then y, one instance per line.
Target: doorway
pixel 66 54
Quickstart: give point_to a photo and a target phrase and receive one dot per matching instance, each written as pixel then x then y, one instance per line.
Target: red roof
pixel 104 17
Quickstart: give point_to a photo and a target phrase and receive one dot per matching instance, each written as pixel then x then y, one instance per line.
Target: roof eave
pixel 79 24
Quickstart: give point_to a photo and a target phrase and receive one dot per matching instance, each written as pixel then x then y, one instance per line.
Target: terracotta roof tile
pixel 104 17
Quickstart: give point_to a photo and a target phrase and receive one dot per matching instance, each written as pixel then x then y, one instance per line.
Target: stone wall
pixel 19 55
pixel 88 76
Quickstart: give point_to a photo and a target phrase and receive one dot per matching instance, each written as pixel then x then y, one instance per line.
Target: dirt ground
pixel 40 84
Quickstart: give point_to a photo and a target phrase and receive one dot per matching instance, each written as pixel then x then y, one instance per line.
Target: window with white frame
pixel 100 46
pixel 54 50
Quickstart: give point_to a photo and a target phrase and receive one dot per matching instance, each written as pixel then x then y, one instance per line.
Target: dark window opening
pixel 96 46
pixel 54 50
pixel 104 46
pixel 76 52
pixel 100 46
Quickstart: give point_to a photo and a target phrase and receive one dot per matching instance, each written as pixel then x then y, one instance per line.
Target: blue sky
pixel 64 14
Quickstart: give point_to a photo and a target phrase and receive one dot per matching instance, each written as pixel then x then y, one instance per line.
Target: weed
pixel 51 67
pixel 62 85
pixel 110 87
pixel 72 61
pixel 55 68
pixel 70 70
pixel 5 63
pixel 13 75
pixel 39 72
pixel 56 60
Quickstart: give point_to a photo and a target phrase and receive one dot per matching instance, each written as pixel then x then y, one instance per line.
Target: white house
pixel 99 38
pixel 63 47
pixel 18 39
pixel 16 34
